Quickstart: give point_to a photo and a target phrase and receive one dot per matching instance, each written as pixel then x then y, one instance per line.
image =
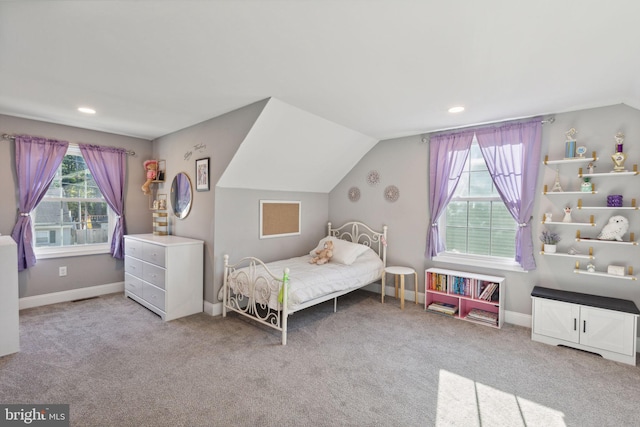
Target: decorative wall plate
pixel 354 194
pixel 373 178
pixel 391 193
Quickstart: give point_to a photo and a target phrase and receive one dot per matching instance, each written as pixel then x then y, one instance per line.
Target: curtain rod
pixel 427 136
pixel 13 138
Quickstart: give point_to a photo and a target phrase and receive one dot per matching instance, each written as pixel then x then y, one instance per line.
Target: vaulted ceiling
pixel 383 68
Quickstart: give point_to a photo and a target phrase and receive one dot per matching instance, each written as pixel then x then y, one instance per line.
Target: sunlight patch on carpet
pixel 464 402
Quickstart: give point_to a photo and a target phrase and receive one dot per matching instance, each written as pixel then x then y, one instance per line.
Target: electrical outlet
pixel 62 271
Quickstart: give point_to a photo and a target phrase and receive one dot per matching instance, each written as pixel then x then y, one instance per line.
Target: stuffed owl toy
pixel 615 228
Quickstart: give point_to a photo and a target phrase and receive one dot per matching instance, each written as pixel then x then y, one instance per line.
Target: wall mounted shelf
pixel 561 254
pixel 631 241
pixel 602 210
pixel 628 276
pixel 579 224
pixel 632 207
pixel 593 158
pixel 608 174
pixel 547 192
pixel 161 172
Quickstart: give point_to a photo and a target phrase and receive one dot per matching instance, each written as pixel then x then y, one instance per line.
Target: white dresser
pixel 9 320
pixel 164 274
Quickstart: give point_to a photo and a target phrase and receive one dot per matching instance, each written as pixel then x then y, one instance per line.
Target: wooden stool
pixel 400 272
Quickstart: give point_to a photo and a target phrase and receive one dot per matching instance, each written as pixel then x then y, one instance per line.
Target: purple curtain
pixel 447 156
pixel 37 160
pixel 512 154
pixel 108 165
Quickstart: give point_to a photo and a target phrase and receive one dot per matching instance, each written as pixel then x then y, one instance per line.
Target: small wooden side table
pixel 400 272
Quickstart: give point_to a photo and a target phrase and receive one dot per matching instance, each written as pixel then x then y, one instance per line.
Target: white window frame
pixel 76 250
pixel 464 259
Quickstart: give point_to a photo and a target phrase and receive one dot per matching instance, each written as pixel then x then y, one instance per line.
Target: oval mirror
pixel 181 195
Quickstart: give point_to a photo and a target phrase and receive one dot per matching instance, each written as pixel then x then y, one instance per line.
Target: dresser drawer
pixel 153 295
pixel 153 274
pixel 153 254
pixel 133 284
pixel 133 248
pixel 133 266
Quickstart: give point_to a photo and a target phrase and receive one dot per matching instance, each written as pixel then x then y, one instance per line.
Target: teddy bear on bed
pixel 323 255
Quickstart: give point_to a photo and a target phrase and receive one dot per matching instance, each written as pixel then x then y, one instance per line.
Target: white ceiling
pixel 381 68
pixel 290 149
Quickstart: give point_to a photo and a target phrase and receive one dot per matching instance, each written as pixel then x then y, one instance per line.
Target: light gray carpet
pixel 117 364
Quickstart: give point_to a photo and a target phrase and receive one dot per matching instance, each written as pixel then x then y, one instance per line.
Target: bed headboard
pixel 358 232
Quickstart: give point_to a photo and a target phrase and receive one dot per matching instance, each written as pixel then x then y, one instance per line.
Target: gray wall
pixel 403 162
pixel 218 139
pixel 227 219
pixel 82 271
pixel 238 226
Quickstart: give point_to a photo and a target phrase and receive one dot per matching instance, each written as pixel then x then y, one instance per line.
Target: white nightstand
pixel 400 272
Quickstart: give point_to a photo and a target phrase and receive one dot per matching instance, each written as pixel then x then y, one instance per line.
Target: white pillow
pixel 344 252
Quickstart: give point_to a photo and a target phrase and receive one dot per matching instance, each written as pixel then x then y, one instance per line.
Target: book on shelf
pixel 442 307
pixel 488 291
pixel 450 284
pixel 482 316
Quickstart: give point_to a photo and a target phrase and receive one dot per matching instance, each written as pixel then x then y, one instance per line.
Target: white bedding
pixel 310 281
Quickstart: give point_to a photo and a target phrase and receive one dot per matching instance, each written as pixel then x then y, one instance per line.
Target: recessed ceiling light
pixel 86 110
pixel 458 109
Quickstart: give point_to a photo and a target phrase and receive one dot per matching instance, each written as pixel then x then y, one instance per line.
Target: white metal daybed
pixel 252 289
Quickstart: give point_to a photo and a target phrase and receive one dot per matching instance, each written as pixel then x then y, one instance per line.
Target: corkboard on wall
pixel 279 218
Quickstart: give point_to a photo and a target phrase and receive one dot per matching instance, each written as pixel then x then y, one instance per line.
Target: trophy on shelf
pixel 570 144
pixel 619 157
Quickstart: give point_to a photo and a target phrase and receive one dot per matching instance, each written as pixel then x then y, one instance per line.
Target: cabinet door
pixel 608 330
pixel 556 319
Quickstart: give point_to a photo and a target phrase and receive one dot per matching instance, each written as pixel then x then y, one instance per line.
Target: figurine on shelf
pixel 619 157
pixel 615 228
pixel 151 168
pixel 162 204
pixel 548 217
pixel 586 185
pixel 155 205
pixel 590 167
pixel 591 268
pixel 557 188
pixel 567 214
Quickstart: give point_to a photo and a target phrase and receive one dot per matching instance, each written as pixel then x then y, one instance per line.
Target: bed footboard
pixel 252 290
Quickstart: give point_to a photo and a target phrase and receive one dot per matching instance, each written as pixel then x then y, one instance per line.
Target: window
pixel 73 218
pixel 476 221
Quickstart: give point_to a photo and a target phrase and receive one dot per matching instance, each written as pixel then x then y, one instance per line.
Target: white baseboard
pixel 213 309
pixel 519 319
pixel 512 317
pixel 71 295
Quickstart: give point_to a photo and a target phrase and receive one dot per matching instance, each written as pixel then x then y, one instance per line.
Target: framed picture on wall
pixel 202 174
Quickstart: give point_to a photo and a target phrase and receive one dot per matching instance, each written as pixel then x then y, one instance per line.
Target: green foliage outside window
pixel 73 211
